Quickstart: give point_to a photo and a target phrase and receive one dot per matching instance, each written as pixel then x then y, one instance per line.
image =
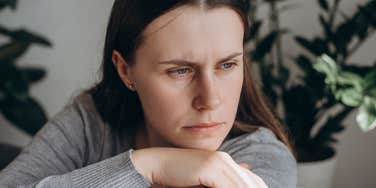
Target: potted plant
pixel 16 104
pixel 330 88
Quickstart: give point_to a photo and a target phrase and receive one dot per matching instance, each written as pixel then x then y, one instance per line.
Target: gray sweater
pixel 76 149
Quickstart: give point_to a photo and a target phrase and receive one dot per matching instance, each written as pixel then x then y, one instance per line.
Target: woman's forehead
pixel 188 30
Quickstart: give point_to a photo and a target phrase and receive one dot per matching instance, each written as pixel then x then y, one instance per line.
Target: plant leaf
pixel 268 81
pixel 349 79
pixel 11 51
pixel 327 66
pixel 324 4
pixel 370 80
pixel 5 3
pixel 264 46
pixel 321 46
pixel 314 81
pixel 304 63
pixel 300 113
pixel 359 70
pixel 349 97
pixel 371 93
pixel 284 75
pixel 33 74
pixel 12 82
pixel 326 27
pixel 25 36
pixel 365 18
pixel 26 114
pixel 254 30
pixel 366 117
pixel 343 36
pixel 332 126
pixel 362 20
pixel 316 47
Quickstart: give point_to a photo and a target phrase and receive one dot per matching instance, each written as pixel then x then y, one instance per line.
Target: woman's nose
pixel 208 96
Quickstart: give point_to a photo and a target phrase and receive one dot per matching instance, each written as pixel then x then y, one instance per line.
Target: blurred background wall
pixel 77 30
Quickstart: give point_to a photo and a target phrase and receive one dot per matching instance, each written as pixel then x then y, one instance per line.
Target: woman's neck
pixel 142 140
pixel 146 137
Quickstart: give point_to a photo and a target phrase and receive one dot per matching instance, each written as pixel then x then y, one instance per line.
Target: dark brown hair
pixel 121 108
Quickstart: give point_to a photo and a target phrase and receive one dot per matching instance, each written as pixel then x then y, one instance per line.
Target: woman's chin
pixel 201 145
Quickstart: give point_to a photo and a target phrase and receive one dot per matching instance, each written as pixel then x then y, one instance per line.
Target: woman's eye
pixel 228 66
pixel 180 72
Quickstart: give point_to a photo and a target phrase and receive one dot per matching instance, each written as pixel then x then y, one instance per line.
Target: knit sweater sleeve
pixel 57 157
pixel 268 158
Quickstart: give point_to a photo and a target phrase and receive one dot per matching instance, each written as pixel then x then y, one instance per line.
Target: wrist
pixel 144 163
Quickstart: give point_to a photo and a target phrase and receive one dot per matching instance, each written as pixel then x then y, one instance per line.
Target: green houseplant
pixel 304 104
pixel 329 88
pixel 16 103
pixel 351 90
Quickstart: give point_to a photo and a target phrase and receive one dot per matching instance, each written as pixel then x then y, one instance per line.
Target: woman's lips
pixel 204 127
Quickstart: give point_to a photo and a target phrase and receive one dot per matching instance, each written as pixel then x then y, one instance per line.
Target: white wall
pixel 77 30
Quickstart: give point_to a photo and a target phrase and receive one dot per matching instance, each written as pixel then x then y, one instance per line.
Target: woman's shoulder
pixel 260 140
pixel 260 135
pixel 268 157
pixel 79 111
pixel 80 120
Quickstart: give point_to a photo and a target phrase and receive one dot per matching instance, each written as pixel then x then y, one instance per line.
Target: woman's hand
pixel 189 167
pixel 247 168
pixel 251 175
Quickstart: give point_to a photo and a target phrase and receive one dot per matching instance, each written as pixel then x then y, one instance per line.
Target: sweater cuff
pixel 117 171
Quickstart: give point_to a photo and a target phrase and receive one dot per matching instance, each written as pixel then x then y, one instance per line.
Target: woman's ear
pixel 123 69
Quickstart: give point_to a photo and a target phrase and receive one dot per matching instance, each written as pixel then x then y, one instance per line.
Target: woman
pixel 176 107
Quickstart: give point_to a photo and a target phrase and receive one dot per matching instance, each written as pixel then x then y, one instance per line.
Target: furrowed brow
pixel 190 63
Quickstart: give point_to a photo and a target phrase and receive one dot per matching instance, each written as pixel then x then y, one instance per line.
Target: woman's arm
pixel 267 157
pixel 58 156
pixel 175 167
pixel 117 171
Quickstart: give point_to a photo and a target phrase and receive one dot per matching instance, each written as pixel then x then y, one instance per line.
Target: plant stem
pixel 253 12
pixel 277 54
pixel 278 42
pixel 333 13
pixel 332 17
pixel 253 16
pixel 275 26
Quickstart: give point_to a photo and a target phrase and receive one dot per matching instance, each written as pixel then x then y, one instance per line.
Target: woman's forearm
pixel 116 171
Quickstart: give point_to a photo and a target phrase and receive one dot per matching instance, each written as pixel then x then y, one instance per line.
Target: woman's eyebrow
pixel 190 63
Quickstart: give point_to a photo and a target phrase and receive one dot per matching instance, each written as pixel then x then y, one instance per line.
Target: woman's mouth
pixel 204 127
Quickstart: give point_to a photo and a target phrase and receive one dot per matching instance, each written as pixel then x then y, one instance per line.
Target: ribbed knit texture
pixel 76 149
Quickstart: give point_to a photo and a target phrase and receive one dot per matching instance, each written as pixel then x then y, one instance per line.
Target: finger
pixel 247 178
pixel 245 165
pixel 260 183
pixel 234 173
pixel 237 175
pixel 215 180
pixel 235 178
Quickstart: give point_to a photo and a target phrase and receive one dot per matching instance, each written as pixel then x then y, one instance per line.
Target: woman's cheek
pixel 165 102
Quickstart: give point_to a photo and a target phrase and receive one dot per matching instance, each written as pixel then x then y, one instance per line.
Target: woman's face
pixel 189 70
